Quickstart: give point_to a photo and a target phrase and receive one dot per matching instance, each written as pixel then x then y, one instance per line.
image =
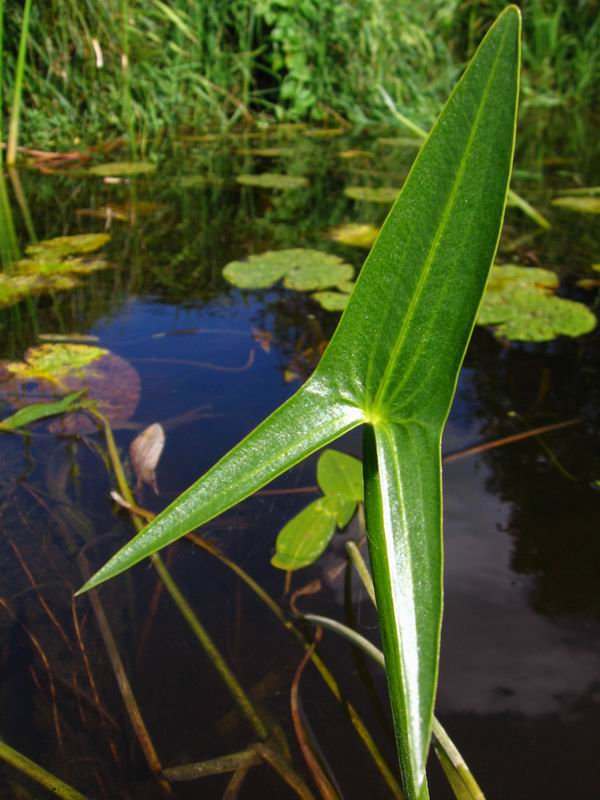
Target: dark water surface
pixel 519 683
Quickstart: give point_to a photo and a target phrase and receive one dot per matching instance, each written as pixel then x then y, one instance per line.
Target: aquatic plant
pixel 392 366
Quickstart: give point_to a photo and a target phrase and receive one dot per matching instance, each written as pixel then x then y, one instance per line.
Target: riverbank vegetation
pixel 99 70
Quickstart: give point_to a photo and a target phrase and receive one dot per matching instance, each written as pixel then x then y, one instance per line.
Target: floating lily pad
pixel 60 369
pixel 273 180
pixel 582 205
pixel 519 302
pixel 14 288
pixel 331 301
pixel 301 269
pixel 122 169
pixel 76 266
pixel 354 234
pixel 370 194
pixel 62 246
pixel 514 276
pixel 528 315
pixel 588 283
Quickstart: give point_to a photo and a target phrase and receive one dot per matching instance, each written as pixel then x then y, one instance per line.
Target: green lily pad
pixel 582 205
pixel 370 194
pixel 301 269
pixel 528 315
pixel 62 246
pixel 273 180
pixel 331 301
pixel 354 234
pixel 514 276
pixel 122 169
pixel 53 362
pixel 14 288
pixel 519 302
pixel 76 266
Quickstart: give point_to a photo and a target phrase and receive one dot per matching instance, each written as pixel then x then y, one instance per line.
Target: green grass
pixel 142 68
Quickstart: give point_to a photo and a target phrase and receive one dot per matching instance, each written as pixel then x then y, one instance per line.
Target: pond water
pixel 519 687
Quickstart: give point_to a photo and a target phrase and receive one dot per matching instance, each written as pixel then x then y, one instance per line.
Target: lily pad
pixel 122 169
pixel 370 194
pixel 14 288
pixel 582 205
pixel 76 266
pixel 301 269
pixel 52 370
pixel 354 234
pixel 331 301
pixel 514 276
pixel 528 315
pixel 519 302
pixel 273 180
pixel 62 246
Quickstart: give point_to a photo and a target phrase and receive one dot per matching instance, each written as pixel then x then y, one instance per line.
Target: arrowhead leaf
pixel 393 364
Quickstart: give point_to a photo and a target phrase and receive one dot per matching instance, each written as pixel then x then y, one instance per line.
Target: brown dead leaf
pixel 145 452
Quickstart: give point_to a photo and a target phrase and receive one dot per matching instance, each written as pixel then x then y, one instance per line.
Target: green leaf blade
pixel 38 411
pixel 427 270
pixel 402 467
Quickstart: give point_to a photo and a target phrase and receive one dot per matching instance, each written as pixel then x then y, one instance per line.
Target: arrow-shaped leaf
pixel 393 364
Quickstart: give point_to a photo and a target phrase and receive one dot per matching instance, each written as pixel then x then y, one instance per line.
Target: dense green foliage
pixel 99 69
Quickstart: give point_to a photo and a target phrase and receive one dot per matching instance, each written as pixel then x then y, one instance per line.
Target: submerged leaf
pixel 302 269
pixel 122 169
pixel 61 246
pixel 370 194
pixel 272 180
pixel 354 234
pixel 305 537
pixel 145 452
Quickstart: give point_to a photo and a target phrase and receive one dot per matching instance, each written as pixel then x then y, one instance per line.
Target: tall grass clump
pixel 143 67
